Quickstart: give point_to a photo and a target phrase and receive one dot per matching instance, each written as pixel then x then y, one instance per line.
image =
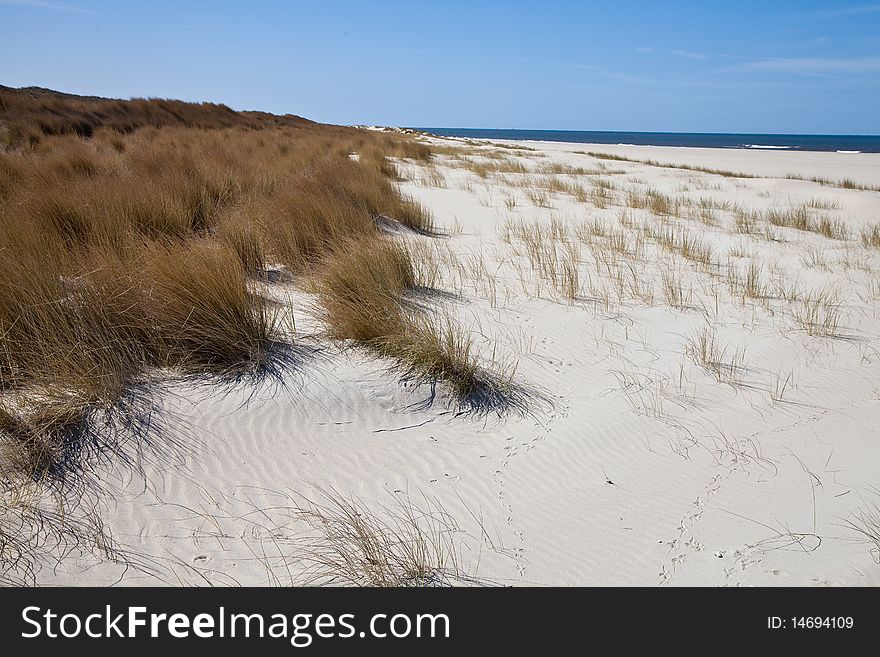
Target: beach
pixel 694 387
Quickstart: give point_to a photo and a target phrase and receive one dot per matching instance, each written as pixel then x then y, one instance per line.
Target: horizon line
pixel 647 132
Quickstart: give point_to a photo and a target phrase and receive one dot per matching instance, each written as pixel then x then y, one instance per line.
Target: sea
pixel 827 143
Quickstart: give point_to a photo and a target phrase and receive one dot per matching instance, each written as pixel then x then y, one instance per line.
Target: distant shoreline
pixel 819 143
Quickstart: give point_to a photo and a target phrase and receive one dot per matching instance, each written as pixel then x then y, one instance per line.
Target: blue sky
pixel 749 66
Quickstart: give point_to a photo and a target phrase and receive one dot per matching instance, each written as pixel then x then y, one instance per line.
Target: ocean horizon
pixel 793 142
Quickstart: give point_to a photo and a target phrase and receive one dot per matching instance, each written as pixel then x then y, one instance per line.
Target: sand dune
pixel 634 459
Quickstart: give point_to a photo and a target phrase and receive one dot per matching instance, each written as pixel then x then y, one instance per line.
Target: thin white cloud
pixel 586 67
pixel 688 54
pixel 812 66
pixel 626 77
pixel 840 12
pixel 50 6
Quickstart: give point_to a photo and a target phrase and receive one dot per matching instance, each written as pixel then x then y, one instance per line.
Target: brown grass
pixel 33 113
pixel 137 239
pixel 819 314
pixel 723 363
pixel 132 234
pixel 365 291
pixel 403 545
pixel 871 236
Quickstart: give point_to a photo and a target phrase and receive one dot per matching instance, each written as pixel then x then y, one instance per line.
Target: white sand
pixel 634 466
pixel 860 167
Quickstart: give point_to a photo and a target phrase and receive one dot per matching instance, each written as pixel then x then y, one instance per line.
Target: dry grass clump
pixel 84 330
pixel 602 193
pixel 73 345
pixel 364 289
pixel 815 258
pixel 802 219
pixel 798 218
pixel 552 255
pixel 661 205
pixel 539 197
pixel 819 313
pixel 674 290
pixel 439 349
pixel 245 240
pixel 705 211
pixel 845 183
pixel 36 432
pixel 818 203
pixel 427 261
pixel 562 169
pixel 748 284
pixel 677 240
pixel 204 318
pixel 871 236
pixel 309 215
pixel 866 523
pixel 726 365
pixel 747 222
pixel 590 229
pixel 653 200
pixel 561 185
pixel 400 546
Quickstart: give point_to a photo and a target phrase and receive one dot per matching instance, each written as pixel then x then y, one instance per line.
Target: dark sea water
pixel 859 143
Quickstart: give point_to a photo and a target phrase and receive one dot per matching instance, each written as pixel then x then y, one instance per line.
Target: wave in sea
pixel 765 146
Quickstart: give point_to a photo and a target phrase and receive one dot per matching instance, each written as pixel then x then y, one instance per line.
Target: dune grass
pixel 403 545
pixel 676 294
pixel 819 313
pixel 871 236
pixel 865 522
pixel 136 236
pixel 726 365
pixel 678 240
pixel 366 293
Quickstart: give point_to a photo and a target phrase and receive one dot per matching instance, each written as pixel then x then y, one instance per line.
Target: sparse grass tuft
pixel 746 221
pixel 866 523
pixel 819 314
pixel 780 384
pixel 676 294
pixel 726 365
pixel 689 246
pixel 401 546
pixel 833 229
pixel 871 236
